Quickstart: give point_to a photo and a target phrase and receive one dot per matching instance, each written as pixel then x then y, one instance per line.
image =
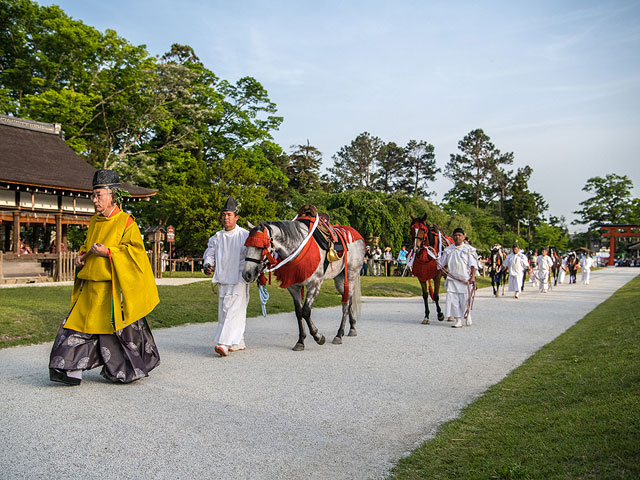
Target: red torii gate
pixel 613 231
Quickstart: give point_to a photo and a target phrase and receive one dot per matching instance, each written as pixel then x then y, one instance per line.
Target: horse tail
pixel 356 297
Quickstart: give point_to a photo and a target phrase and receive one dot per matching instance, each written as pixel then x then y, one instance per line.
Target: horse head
pixel 419 230
pixel 260 252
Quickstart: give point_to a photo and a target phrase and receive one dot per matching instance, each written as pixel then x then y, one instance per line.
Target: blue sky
pixel 557 83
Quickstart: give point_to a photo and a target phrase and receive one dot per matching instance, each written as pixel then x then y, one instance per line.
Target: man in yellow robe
pixel 113 292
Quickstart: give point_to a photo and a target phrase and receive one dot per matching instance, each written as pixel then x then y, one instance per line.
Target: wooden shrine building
pixel 44 187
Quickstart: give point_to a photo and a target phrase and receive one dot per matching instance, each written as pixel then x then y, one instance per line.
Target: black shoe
pixel 56 375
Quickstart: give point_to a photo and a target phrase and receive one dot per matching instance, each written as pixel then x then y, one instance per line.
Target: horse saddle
pixel 325 234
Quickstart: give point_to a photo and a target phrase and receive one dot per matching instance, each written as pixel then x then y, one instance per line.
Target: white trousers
pixel 586 275
pixel 232 313
pixel 561 275
pixel 543 280
pixel 456 304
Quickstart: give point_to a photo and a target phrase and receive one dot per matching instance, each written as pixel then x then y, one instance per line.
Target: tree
pixel 419 168
pixel 390 160
pixel 354 164
pixel 476 165
pixel 611 201
pixel 303 168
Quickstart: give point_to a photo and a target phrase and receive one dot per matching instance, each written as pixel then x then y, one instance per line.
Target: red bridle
pixel 261 239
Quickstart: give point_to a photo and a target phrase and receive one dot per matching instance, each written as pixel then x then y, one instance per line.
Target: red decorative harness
pixel 300 268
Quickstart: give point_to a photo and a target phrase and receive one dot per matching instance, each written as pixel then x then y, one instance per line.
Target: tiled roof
pixel 34 153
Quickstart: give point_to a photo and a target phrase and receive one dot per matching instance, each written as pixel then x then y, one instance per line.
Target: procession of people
pixel 115 289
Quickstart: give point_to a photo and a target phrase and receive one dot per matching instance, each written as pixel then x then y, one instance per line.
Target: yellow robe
pixel 115 291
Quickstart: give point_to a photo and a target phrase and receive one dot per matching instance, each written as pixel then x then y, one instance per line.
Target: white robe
pixel 586 264
pixel 226 251
pixel 459 261
pixel 562 272
pixel 516 264
pixel 544 264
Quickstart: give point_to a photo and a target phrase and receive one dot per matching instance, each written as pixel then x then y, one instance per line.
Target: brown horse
pixel 427 241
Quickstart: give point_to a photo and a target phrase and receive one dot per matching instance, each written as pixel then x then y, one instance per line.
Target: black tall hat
pixel 459 230
pixel 230 206
pixel 515 245
pixel 106 179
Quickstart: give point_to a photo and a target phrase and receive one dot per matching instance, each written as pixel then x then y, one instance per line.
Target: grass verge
pixel 571 411
pixel 33 315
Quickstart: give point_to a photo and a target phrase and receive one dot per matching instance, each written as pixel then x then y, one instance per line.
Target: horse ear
pixel 423 218
pixel 250 225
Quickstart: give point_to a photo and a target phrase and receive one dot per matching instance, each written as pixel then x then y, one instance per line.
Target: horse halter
pixel 262 239
pixel 418 234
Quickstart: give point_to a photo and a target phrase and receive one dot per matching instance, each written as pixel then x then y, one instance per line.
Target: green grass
pixel 33 315
pixel 571 411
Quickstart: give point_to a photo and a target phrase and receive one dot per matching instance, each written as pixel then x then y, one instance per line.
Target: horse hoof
pixel 425 321
pixel 440 317
pixel 337 341
pixel 298 347
pixel 352 333
pixel 320 341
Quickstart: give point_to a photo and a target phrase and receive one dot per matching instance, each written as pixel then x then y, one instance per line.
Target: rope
pixel 264 297
pixel 298 250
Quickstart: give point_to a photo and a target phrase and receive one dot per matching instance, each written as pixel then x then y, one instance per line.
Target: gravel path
pixel 347 411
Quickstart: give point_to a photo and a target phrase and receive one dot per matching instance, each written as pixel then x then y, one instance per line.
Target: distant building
pixel 44 185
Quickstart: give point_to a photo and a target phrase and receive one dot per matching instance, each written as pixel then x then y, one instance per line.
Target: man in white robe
pixel 517 264
pixel 226 253
pixel 586 263
pixel 545 262
pixel 462 262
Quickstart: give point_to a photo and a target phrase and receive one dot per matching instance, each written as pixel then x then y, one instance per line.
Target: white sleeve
pixel 209 256
pixel 443 259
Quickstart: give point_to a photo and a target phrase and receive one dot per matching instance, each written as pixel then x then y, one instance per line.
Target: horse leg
pixel 312 293
pixel 425 297
pixel 296 294
pixel 338 281
pixel 436 296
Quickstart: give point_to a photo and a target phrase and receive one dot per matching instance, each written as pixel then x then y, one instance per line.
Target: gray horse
pixel 283 238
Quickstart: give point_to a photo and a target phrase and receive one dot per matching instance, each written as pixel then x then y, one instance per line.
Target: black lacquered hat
pixel 106 179
pixel 230 206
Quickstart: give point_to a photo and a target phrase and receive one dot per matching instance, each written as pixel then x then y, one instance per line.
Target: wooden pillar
pixel 16 232
pixel 612 246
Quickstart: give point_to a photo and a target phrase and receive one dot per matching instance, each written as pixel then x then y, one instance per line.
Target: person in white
pixel 462 262
pixel 517 264
pixel 563 271
pixel 545 262
pixel 225 258
pixel 586 263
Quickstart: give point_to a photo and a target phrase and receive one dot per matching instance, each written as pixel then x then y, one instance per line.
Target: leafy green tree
pixel 546 235
pixel 303 168
pixel 521 206
pixel 390 161
pixel 354 164
pixel 475 166
pixel 611 202
pixel 419 168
